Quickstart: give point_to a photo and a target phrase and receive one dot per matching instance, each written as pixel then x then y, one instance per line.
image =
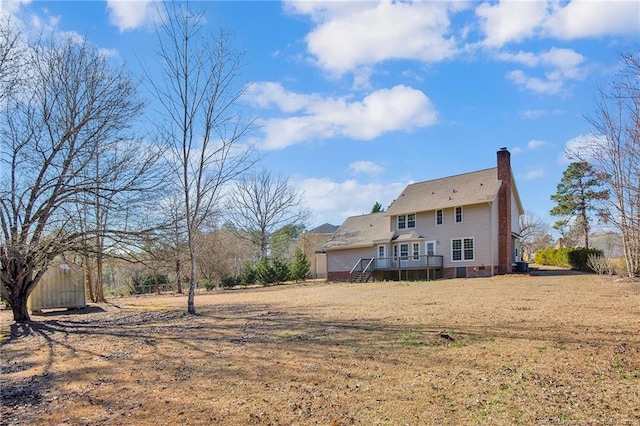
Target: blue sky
pixel 357 99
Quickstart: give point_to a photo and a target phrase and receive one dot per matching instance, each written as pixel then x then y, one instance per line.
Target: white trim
pixel 462 249
pixel 415 221
pixel 426 247
pixel 405 256
pixel 455 215
pixel 406 221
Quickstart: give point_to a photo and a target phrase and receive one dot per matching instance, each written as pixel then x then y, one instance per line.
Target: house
pixel 311 242
pixel 459 226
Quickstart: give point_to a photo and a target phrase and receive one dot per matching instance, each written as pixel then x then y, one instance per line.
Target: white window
pixel 458 214
pixel 407 221
pixel 439 217
pixel 381 251
pixel 416 251
pixel 402 221
pixel 462 249
pixel 404 251
pixel 411 220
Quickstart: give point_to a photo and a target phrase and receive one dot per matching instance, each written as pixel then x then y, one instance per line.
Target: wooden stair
pixel 360 277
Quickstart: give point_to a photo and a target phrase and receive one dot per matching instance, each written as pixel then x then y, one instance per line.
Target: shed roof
pixel 360 231
pixel 460 190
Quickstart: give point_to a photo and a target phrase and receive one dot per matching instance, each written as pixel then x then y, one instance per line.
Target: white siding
pixel 344 260
pixel 476 223
pixel 515 215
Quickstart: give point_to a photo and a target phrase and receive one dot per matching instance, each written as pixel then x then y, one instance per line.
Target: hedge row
pixel 574 258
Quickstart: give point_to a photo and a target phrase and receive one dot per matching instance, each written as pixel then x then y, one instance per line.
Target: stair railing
pixel 358 269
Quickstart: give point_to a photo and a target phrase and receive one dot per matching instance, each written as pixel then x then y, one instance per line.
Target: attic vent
pixel 481 183
pixel 449 196
pixel 454 191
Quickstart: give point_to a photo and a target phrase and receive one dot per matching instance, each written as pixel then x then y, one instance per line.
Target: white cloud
pixel 510 21
pixel 515 21
pixel 11 7
pixel 350 35
pixel 532 114
pixel 385 110
pixel 533 173
pixel 334 201
pixel 269 94
pixel 582 147
pixel 129 15
pixel 587 18
pixel 535 84
pixel 562 65
pixel 532 145
pixel 567 60
pixel 535 144
pixel 367 167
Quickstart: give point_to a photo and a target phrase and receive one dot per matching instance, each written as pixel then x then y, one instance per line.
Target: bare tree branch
pixel 201 121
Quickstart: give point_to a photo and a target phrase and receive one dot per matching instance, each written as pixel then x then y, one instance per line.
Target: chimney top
pixel 504 148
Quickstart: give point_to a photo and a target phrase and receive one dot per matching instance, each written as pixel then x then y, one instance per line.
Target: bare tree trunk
pixel 23 277
pixel 203 125
pixel 99 295
pixel 191 307
pixel 89 284
pixel 178 277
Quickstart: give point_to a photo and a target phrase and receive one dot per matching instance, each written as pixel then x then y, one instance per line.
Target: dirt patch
pixel 520 349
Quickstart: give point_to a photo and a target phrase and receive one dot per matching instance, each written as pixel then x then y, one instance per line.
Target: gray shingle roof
pixel 460 190
pixel 326 228
pixel 360 231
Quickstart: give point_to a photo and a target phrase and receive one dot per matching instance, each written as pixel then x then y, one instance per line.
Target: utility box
pixel 61 286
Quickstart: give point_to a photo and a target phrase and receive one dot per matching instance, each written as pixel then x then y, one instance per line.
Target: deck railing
pixel 409 262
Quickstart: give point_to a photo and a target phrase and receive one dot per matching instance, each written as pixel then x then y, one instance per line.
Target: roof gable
pixel 469 188
pixel 360 231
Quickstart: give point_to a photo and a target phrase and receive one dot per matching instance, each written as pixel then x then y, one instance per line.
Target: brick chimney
pixel 505 241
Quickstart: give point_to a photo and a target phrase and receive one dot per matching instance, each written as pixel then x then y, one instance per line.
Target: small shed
pixel 61 286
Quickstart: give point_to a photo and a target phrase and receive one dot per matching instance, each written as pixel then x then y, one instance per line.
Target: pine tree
pixel 300 267
pixel 377 208
pixel 577 194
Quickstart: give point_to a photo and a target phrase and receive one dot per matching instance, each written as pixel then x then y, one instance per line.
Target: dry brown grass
pixel 556 349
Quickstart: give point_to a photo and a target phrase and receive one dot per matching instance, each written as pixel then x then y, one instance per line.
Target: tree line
pixel 82 180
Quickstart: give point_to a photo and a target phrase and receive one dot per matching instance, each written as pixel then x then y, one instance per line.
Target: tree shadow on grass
pixel 89 309
pixel 231 342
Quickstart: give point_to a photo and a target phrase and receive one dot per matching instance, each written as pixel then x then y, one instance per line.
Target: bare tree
pixel 173 237
pixel 11 51
pixel 201 121
pixel 260 204
pixel 73 107
pixel 534 234
pixel 615 153
pixel 221 253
